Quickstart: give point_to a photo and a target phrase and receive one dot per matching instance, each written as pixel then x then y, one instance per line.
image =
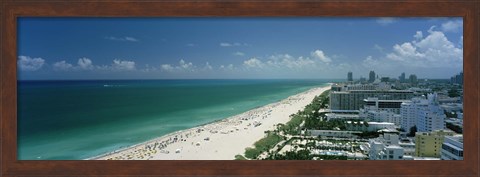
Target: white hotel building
pixel 426 114
pixel 381 110
pixel 351 97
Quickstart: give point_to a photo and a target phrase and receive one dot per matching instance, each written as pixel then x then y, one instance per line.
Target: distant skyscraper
pixel 413 78
pixel 457 79
pixel 350 76
pixel 371 77
pixel 362 79
pixel 402 77
pixel 461 77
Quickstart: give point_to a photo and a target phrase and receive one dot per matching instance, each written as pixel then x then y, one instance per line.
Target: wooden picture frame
pixel 10 10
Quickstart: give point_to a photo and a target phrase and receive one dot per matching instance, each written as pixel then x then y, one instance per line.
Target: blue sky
pixel 223 48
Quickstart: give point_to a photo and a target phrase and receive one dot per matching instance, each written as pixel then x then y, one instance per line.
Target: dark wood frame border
pixel 10 10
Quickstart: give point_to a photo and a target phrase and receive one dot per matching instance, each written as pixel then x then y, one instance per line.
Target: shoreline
pixel 219 139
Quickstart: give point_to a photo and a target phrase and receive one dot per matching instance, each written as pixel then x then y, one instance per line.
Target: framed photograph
pixel 255 88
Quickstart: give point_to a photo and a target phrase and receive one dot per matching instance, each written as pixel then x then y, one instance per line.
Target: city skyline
pixel 238 48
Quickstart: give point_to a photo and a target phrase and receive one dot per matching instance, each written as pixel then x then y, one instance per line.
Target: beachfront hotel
pixel 354 99
pixel 383 105
pixel 425 114
pixel 381 116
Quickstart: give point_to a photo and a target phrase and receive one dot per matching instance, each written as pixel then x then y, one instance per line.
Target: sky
pixel 237 48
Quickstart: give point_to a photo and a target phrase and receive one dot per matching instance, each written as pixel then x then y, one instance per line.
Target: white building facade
pixel 381 116
pixel 452 148
pixel 386 147
pixel 425 114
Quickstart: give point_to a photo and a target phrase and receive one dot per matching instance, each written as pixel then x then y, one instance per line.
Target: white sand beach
pixel 220 140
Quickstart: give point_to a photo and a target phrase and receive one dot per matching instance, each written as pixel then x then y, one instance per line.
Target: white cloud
pixel 82 64
pixel 186 65
pixel 85 64
pixel 126 38
pixel 460 42
pixel 404 52
pixel 148 68
pixel 26 63
pixel 318 54
pixel 235 44
pixel 62 65
pixel 191 45
pixel 369 62
pixel 224 44
pixel 131 39
pixel 418 35
pixel 181 67
pixel 435 50
pixel 208 66
pixel 317 64
pixel 431 29
pixel 253 63
pixel 239 54
pixel 378 47
pixel 123 65
pixel 167 67
pixel 453 26
pixel 286 62
pixel 229 67
pixel 384 21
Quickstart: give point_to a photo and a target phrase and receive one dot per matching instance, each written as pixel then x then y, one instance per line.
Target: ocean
pixel 73 120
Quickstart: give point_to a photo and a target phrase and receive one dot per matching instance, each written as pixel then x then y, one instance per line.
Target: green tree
pixel 453 92
pixel 412 132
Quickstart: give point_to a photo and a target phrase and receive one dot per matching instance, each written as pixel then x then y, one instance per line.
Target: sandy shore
pixel 220 140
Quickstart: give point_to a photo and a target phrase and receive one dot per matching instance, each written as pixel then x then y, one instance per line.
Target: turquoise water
pixel 72 120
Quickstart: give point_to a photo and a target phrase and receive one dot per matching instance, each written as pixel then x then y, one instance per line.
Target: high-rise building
pixel 432 117
pixel 402 77
pixel 362 79
pixel 460 78
pixel 353 99
pixel 413 78
pixel 457 79
pixel 371 76
pixel 383 105
pixel 350 76
pixel 409 110
pixel 425 114
pixel 429 144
